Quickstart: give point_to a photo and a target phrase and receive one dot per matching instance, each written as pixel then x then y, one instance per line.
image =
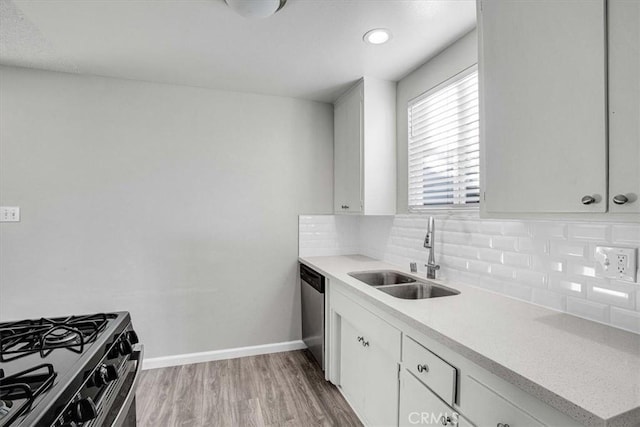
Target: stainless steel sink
pixel 418 290
pixel 382 277
pixel 402 286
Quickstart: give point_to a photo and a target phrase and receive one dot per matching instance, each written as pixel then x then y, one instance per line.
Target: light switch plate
pixel 9 214
pixel 617 263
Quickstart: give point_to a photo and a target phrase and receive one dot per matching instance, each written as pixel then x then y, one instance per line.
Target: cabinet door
pixel 419 406
pixel 381 392
pixel 487 408
pixel 624 106
pixel 543 106
pixel 353 380
pixel 348 134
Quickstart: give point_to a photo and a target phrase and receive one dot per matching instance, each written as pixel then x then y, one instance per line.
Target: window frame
pixel 451 209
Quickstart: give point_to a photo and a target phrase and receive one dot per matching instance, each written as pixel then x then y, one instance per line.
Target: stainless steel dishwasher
pixel 312 291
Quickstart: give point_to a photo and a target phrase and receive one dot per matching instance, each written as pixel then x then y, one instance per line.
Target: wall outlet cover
pixel 9 214
pixel 617 263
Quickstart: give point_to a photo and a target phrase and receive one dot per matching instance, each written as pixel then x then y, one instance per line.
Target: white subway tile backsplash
pixel 581 269
pixel 515 229
pixel 549 299
pixel 546 264
pixel 570 287
pixel 614 293
pixel 489 255
pixel 517 291
pixel 589 232
pixel 574 249
pixel 625 319
pixel 480 240
pixel 466 227
pixel 626 233
pixel 455 237
pixel 588 309
pixel 479 267
pixel 516 259
pixel 453 262
pixel 549 229
pixel 505 243
pixel 502 271
pixel 532 278
pixel 549 263
pixel 490 227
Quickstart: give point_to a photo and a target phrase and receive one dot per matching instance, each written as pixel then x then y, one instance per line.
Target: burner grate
pixel 18 391
pixel 19 339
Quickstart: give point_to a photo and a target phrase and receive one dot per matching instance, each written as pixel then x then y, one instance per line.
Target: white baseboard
pixel 230 353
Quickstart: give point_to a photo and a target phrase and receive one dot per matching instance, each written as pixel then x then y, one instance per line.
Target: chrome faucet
pixel 429 243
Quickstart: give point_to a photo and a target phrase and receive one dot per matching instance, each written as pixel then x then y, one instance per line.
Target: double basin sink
pixel 402 286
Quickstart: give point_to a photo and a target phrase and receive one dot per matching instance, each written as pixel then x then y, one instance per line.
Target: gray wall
pixel 178 204
pixel 455 58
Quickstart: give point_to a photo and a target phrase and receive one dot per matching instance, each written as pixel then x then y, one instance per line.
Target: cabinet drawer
pixel 375 332
pixel 437 374
pixel 487 408
pixel 419 406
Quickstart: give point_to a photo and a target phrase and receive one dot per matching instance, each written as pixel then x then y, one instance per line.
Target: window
pixel 444 152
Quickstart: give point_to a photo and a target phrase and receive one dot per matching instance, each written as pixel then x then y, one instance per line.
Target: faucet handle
pixel 433 266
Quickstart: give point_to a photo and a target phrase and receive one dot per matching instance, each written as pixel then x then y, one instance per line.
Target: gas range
pixel 69 371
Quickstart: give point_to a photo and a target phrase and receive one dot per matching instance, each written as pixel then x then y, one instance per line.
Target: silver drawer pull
pixel 445 420
pixel 586 200
pixel 502 425
pixel 423 368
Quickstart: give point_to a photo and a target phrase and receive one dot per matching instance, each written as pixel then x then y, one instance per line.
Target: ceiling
pixel 310 49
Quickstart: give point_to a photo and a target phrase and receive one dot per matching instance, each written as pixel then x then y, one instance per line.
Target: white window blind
pixel 444 152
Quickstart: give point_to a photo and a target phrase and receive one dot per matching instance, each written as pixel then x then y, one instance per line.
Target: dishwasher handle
pixel 312 278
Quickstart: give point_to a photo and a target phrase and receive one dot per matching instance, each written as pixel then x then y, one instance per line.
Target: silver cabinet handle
pixel 502 425
pixel 363 342
pixel 423 368
pixel 586 200
pixel 445 420
pixel 620 199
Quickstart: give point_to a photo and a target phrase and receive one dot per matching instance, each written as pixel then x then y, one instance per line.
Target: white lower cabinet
pixel 368 362
pixel 488 408
pixel 435 385
pixel 419 406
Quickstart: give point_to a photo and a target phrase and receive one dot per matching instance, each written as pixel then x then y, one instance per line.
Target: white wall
pixel 177 204
pixel 460 55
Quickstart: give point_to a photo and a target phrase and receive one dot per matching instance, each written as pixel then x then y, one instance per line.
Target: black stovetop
pixel 51 356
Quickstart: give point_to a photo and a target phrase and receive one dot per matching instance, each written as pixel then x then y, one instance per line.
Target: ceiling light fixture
pixel 377 36
pixel 255 8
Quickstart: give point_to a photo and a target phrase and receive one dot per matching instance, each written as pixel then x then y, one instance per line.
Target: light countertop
pixel 585 369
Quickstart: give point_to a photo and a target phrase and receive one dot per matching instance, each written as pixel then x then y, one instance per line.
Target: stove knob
pixel 125 347
pixel 84 410
pixel 133 337
pixel 111 373
pixel 104 375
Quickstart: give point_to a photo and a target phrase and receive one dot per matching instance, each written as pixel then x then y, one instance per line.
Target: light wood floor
pixel 281 389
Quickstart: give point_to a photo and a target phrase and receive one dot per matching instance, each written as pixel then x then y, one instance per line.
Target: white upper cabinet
pixel 624 106
pixel 543 106
pixel 365 149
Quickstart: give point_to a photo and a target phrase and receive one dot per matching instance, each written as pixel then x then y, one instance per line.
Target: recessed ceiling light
pixel 377 36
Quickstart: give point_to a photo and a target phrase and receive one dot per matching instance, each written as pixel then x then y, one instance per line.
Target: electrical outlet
pixel 617 263
pixel 9 214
